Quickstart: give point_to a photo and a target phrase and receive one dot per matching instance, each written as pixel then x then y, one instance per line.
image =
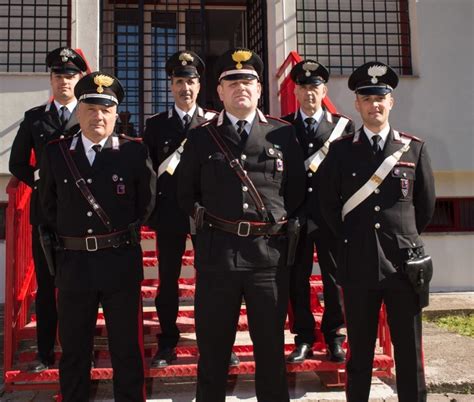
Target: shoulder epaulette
pixel 342 115
pixel 61 138
pixel 206 122
pixel 157 115
pixel 129 138
pixel 344 137
pixel 412 137
pixel 277 119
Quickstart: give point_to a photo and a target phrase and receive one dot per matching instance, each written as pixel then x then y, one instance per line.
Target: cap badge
pixel 376 71
pixel 239 56
pixel 308 67
pixel 66 54
pixel 184 58
pixel 101 81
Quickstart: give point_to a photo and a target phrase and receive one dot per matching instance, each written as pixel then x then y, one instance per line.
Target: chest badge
pixel 115 177
pixel 279 165
pixel 405 186
pixel 120 189
pixel 166 148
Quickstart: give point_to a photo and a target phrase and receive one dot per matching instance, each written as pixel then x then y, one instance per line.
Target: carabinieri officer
pixel 378 197
pixel 97 189
pixel 241 178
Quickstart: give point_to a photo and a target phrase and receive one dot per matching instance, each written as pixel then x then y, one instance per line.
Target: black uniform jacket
pixel 273 160
pixel 164 134
pixel 123 182
pixel 374 236
pixel 39 126
pixel 311 209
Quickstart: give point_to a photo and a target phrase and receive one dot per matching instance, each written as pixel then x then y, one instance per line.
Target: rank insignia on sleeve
pixel 405 185
pixel 120 189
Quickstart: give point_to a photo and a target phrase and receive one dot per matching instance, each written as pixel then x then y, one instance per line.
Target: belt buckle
pixel 94 246
pixel 243 230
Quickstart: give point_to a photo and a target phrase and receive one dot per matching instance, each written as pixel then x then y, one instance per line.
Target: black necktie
pixel 310 126
pixel 375 143
pixel 186 121
pixel 241 129
pixel 97 148
pixel 64 115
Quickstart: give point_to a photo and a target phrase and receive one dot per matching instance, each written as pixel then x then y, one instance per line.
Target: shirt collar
pixel 317 116
pixel 249 119
pixel 181 113
pixel 383 135
pixel 88 144
pixel 71 105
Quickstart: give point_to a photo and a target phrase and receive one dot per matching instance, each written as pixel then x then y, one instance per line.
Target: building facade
pixel 428 42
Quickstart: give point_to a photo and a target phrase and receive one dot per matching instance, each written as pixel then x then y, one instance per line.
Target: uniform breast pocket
pixel 403 179
pixel 214 169
pixel 274 165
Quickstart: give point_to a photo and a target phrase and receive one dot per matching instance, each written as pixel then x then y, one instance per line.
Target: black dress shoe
pixel 300 354
pixel 38 366
pixel 234 360
pixel 163 358
pixel 336 353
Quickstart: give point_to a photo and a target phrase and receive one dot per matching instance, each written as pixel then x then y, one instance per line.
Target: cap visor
pixel 373 91
pixel 99 101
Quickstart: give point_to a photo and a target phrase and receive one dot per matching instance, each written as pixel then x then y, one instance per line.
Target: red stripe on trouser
pixel 348 353
pixel 140 340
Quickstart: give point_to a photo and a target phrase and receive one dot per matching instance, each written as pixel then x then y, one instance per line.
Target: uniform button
pixel 377 190
pixel 61 137
pixel 243 157
pixel 159 193
pixel 271 151
pixel 89 181
pixel 310 189
pixel 310 174
pixel 311 145
pixel 90 231
pixel 244 188
pixel 414 244
pixel 41 135
pixel 245 205
pixel 65 180
pixel 354 174
pixel 377 225
pixel 376 208
pixel 404 174
pixel 245 172
pixel 89 213
pixel 346 241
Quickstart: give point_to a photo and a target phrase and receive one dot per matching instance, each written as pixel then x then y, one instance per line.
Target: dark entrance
pixel 138 36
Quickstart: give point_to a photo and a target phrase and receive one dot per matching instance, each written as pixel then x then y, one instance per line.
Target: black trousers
pixel 362 308
pixel 45 302
pixel 300 292
pixel 171 247
pixel 217 306
pixel 77 322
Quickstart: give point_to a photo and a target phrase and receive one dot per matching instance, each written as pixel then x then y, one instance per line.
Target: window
pixel 453 215
pixel 343 34
pixel 29 30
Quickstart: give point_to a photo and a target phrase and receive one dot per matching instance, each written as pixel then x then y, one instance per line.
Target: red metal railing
pixel 19 268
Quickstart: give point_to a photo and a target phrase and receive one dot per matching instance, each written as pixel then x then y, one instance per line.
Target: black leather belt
pixel 94 243
pixel 245 228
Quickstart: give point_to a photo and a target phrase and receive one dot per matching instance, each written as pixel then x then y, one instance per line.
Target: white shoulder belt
pixel 377 178
pixel 313 162
pixel 171 162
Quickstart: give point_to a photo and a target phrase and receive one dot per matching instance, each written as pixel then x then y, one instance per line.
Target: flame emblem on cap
pixel 241 55
pixel 66 54
pixel 184 58
pixel 308 67
pixel 101 81
pixel 376 71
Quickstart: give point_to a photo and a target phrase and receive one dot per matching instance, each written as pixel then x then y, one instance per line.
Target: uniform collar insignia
pixel 261 116
pixel 356 138
pixel 115 143
pixel 376 71
pixel 329 117
pixel 220 120
pixel 170 113
pixel 200 111
pixel 74 142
